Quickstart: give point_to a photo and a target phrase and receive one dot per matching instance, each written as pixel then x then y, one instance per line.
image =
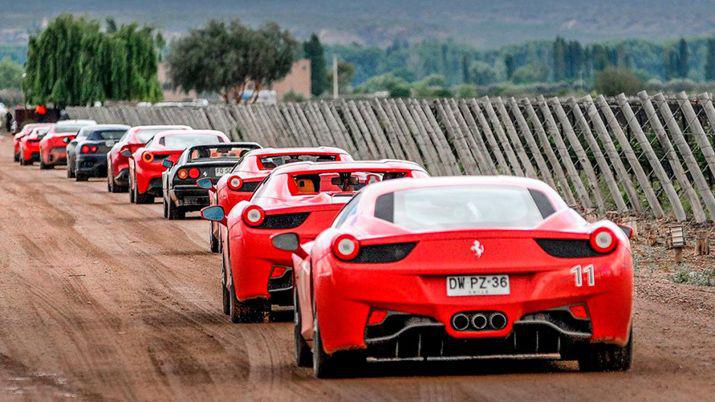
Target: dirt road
pixel 100 299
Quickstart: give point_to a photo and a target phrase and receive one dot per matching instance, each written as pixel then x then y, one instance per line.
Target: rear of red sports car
pixel 463 269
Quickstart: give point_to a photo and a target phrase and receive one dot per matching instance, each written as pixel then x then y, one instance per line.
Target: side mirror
pixel 206 184
pixel 627 230
pixel 66 140
pixel 214 214
pixel 167 163
pixel 285 241
pixel 126 153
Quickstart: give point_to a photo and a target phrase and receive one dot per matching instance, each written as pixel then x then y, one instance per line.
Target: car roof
pixel 302 150
pixel 168 133
pixel 103 127
pixel 74 122
pixel 313 167
pixel 160 126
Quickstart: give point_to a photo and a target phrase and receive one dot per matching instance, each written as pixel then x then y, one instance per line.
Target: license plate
pixel 477 285
pixel 220 171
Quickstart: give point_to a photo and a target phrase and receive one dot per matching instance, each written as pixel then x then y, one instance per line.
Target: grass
pixel 688 275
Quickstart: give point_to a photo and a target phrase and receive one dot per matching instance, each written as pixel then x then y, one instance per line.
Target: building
pixel 297 80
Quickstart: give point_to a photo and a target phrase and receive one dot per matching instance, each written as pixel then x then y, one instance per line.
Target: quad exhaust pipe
pixel 479 321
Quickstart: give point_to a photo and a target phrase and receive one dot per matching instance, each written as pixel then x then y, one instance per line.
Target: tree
pixel 682 65
pixel 10 74
pixel 510 65
pixel 314 51
pixel 710 60
pixel 72 62
pixel 531 73
pixel 226 58
pixel 482 73
pixel 613 81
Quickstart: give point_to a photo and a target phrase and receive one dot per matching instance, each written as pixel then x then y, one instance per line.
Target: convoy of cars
pixel 378 260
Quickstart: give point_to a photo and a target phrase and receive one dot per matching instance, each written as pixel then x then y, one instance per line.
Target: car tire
pixel 174 212
pixel 303 354
pixel 249 311
pixel 324 365
pixel 225 295
pixel 22 161
pixel 16 158
pixel 44 166
pixel 601 357
pixel 213 240
pixel 70 172
pixel 166 209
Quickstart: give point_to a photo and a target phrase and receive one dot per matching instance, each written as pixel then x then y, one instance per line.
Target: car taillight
pixel 603 240
pixel 235 183
pixel 346 247
pixel 89 149
pixel 254 215
pixel 182 174
pixel 194 173
pixel 85 149
pixel 148 157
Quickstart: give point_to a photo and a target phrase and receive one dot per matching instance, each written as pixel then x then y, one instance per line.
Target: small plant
pixel 686 274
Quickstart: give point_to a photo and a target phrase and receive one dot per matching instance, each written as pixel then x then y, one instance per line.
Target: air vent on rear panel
pixel 284 221
pixel 563 248
pixel 384 253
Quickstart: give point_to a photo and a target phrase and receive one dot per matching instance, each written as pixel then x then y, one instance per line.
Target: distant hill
pixel 482 23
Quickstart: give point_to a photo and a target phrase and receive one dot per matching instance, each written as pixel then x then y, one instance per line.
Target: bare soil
pixel 102 300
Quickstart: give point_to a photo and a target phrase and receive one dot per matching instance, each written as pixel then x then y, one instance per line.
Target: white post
pixel 335 77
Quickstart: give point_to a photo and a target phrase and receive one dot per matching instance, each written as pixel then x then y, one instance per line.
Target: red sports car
pixel 252 169
pixel 145 164
pixel 53 146
pixel 118 164
pixel 294 204
pixel 30 144
pixel 464 267
pixel 26 129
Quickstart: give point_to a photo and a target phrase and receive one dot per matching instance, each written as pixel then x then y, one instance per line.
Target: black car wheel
pixel 174 212
pixel 213 240
pixel 225 295
pixel 605 357
pixel 303 355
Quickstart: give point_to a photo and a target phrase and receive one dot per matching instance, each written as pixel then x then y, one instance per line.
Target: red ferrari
pixel 464 267
pixel 239 184
pixel 26 130
pixel 294 204
pixel 30 144
pixel 53 146
pixel 118 164
pixel 146 163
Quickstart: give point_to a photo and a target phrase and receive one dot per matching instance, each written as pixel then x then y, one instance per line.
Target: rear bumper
pixel 55 156
pixel 189 197
pixel 122 178
pixel 346 296
pixel 92 165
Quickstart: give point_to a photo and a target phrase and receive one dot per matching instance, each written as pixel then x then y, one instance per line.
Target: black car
pixel 181 194
pixel 87 153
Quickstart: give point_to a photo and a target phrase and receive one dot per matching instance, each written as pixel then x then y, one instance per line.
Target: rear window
pixel 231 153
pixel 183 141
pixel 110 135
pixel 67 129
pixel 440 208
pixel 337 182
pixel 272 162
pixel 144 135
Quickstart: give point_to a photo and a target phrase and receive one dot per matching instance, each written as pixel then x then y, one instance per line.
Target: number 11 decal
pixel 579 271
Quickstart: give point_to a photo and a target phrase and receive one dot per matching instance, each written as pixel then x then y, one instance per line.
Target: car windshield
pixel 440 208
pixel 272 162
pixel 183 141
pixel 207 153
pixel 109 135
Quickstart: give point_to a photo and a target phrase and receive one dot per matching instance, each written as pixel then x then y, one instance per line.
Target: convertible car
pixel 53 146
pixel 293 205
pixel 118 164
pixel 87 153
pixel 464 267
pixel 205 162
pixel 252 169
pixel 30 144
pixel 146 164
